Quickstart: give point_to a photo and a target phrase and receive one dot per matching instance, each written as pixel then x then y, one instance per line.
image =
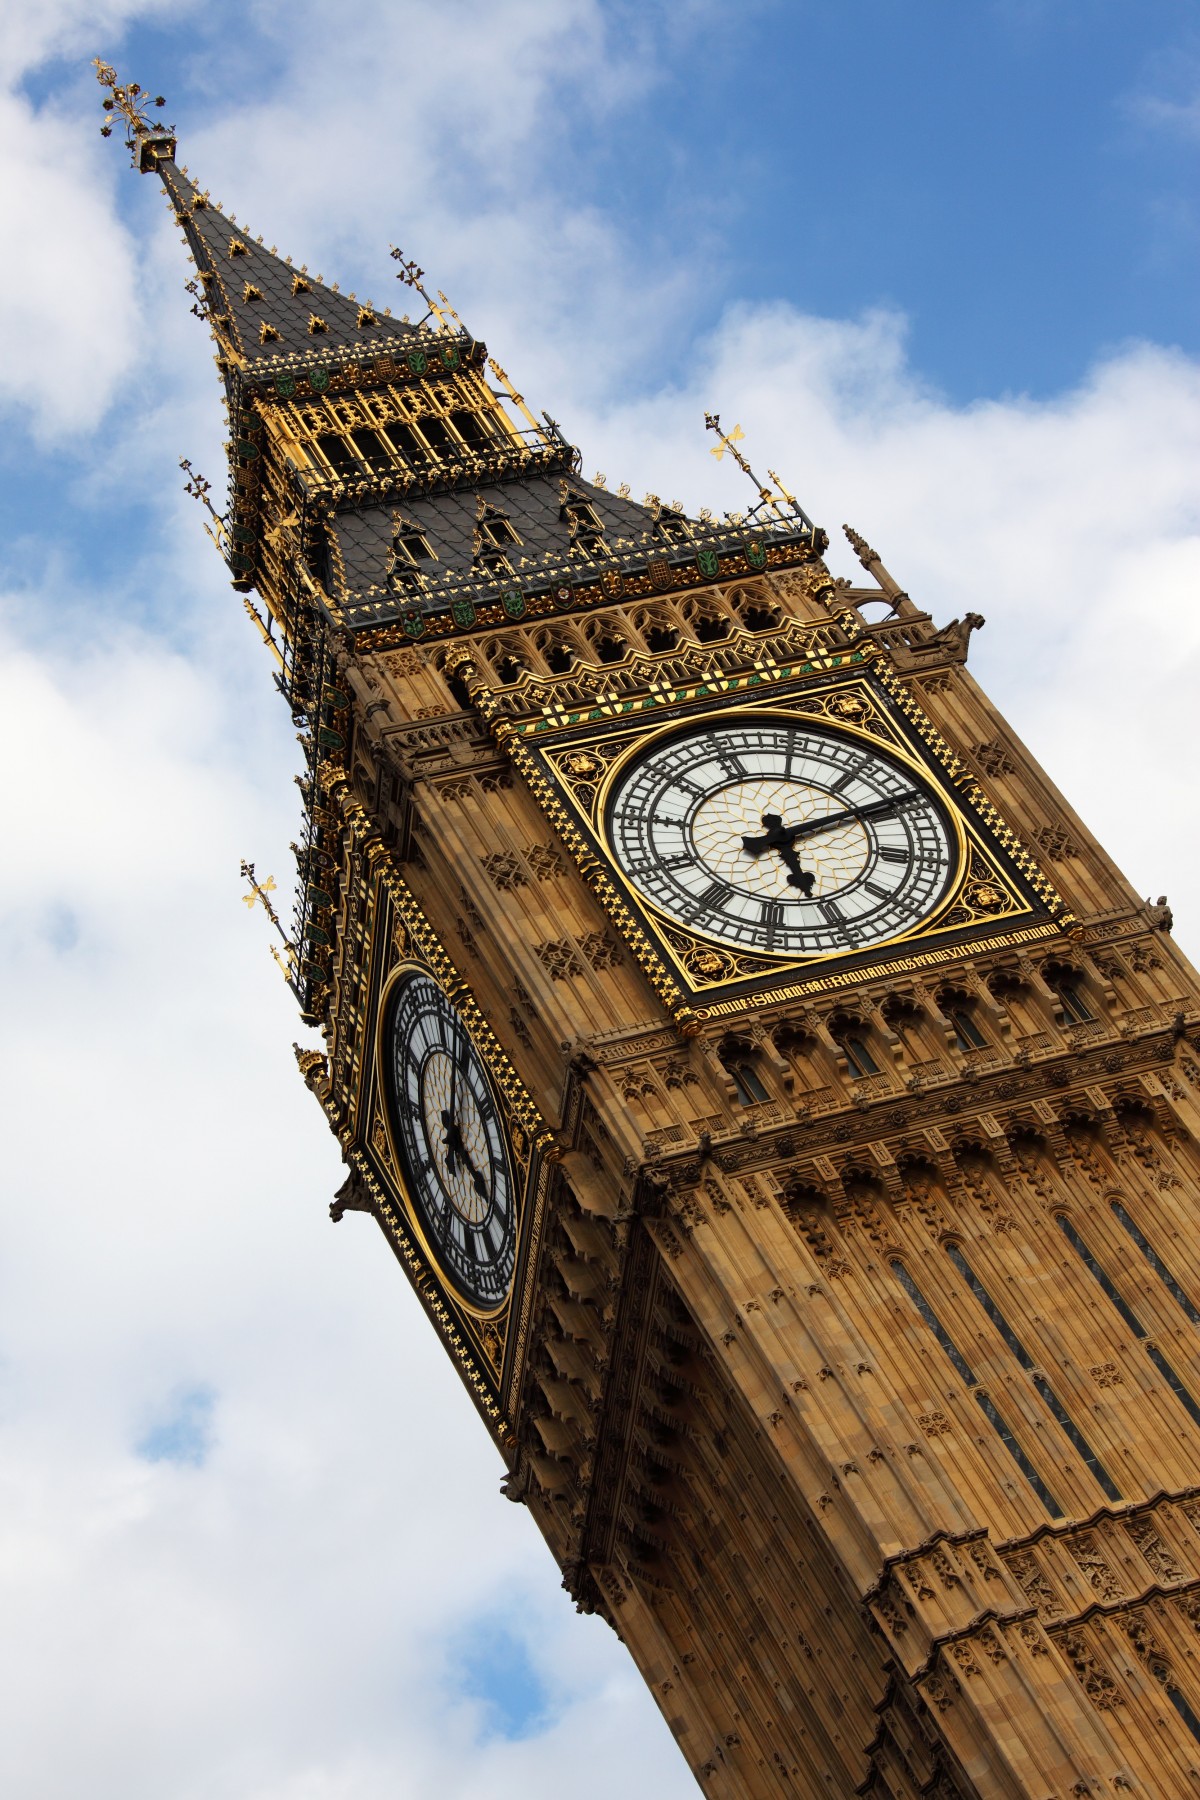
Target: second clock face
pixel 782 837
pixel 450 1141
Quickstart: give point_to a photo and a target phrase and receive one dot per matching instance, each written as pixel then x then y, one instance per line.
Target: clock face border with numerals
pixel 995 896
pixel 781 835
pixel 447 1129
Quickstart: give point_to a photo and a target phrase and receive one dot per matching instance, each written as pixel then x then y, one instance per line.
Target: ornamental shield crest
pixel 514 603
pixel 318 380
pixel 660 572
pixel 756 554
pixel 414 623
pixel 708 563
pixel 462 612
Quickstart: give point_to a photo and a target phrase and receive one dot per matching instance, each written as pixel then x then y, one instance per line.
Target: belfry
pixel 777 1099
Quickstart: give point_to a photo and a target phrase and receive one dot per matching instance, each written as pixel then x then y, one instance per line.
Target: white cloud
pixel 278 1621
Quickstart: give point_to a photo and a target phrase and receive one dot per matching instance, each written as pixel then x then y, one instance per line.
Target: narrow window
pixel 1156 1263
pixel 373 449
pixel 1068 985
pixel 861 1062
pixel 983 1399
pixel 471 428
pixel 1049 1398
pixel 967 1035
pixel 1181 1707
pixel 750 1090
pixel 338 454
pixel 437 436
pixel 1134 1323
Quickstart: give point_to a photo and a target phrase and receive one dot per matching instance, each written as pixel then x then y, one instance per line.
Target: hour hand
pixel 797 877
pixel 453 1141
pixel 754 846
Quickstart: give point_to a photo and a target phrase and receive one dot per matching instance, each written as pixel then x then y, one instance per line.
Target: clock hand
pixel 877 810
pixel 454 1143
pixel 779 836
pixel 453 1140
pixel 456 1148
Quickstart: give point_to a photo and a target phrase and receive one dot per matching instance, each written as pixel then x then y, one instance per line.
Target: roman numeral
pixel 772 919
pixel 887 854
pixel 712 899
pixel 879 892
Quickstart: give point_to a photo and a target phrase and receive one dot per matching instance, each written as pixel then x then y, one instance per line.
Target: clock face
pixel 781 836
pixel 449 1137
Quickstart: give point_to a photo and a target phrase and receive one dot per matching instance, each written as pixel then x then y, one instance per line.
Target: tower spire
pixel 266 313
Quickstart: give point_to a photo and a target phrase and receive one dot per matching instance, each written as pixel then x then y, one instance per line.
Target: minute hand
pixel 851 814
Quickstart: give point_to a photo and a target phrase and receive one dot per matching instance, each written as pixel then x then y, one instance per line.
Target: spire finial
pixel 729 440
pixel 148 141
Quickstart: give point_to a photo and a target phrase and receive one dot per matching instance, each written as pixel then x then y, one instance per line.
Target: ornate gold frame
pixel 998 883
pixel 516 1145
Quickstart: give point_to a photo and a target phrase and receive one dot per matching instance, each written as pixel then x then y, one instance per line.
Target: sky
pixel 940 263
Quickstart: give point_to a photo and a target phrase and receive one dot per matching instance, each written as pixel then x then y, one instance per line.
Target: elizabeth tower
pixel 780 1104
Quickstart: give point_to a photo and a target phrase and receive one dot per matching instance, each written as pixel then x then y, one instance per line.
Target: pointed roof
pixel 261 306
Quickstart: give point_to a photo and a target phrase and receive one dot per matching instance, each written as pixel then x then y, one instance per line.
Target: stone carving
pixel 1086 1551
pixel 545 861
pixel 504 869
pixel 1157 1553
pixel 601 949
pixel 1098 1685
pixel 993 758
pixel 558 957
pixel 1035 1584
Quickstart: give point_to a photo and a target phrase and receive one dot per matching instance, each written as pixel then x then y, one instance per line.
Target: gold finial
pixel 729 440
pixel 197 488
pixel 148 140
pixel 262 890
pixel 411 276
pixel 712 422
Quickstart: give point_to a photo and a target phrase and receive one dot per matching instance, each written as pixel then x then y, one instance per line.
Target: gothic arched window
pixel 850 1035
pixel 1067 984
pixel 738 1056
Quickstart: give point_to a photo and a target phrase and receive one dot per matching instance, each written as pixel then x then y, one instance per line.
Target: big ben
pixel 777 1099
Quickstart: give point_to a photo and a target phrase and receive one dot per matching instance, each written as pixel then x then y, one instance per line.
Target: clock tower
pixel 780 1104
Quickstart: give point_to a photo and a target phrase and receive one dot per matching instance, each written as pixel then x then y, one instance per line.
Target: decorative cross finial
pixel 730 441
pixel 262 890
pixel 197 488
pixel 147 139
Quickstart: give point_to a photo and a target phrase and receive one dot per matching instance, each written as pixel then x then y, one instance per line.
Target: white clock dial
pixel 449 1137
pixel 780 836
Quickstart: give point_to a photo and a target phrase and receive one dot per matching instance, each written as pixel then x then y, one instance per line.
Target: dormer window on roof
pixel 410 555
pixel 583 522
pixel 672 525
pixel 410 543
pixel 238 248
pixel 250 292
pixel 316 324
pixel 300 286
pixel 495 535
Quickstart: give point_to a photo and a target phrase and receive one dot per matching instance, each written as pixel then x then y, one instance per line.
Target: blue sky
pixel 940 262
